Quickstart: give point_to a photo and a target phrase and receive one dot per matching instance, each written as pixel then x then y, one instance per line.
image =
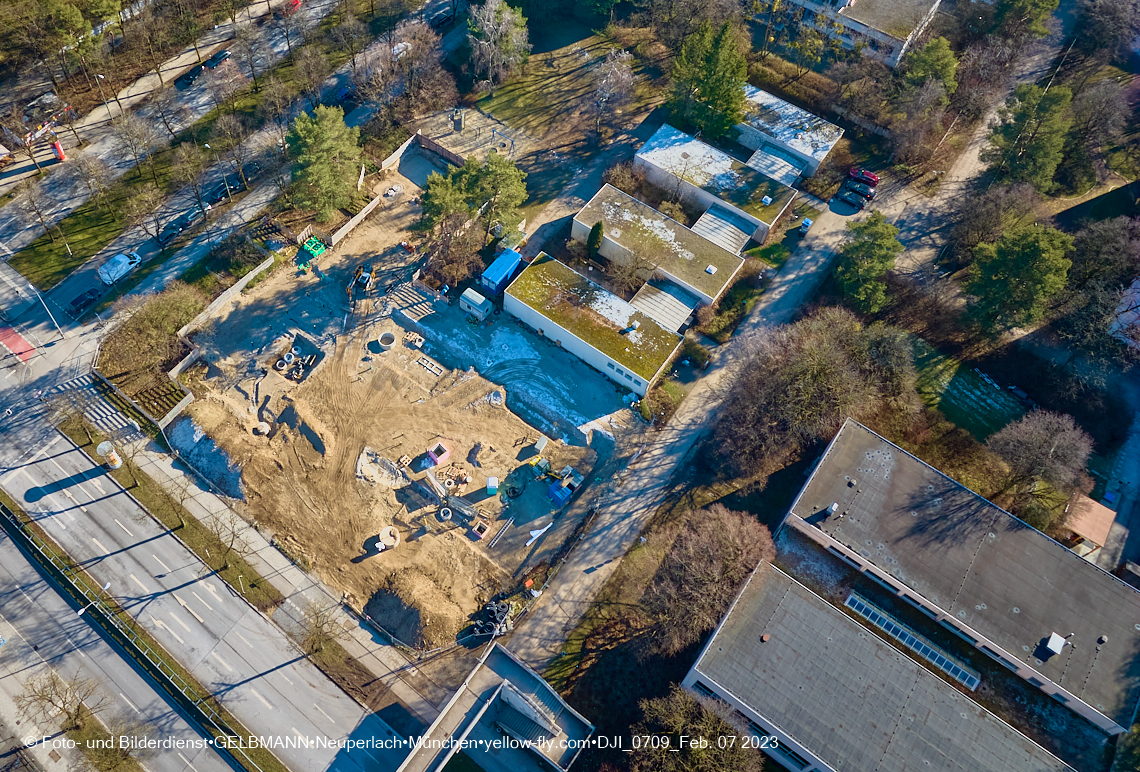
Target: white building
pixel 887 28
pixel 788 135
pixel 737 196
pixel 593 324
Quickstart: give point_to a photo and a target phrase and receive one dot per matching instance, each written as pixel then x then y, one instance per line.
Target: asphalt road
pixel 42 630
pixel 232 649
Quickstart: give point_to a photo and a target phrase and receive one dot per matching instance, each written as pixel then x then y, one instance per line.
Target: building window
pixel 636 382
pixel 619 370
pixel 700 688
pixel 628 377
pixel 610 365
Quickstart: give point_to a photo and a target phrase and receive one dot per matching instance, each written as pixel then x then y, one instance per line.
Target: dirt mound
pixel 413 608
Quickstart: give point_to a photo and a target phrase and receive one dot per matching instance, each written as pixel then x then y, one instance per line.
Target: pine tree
pixel 594 242
pixel 1015 277
pixel 864 260
pixel 326 160
pixel 708 81
pixel 1028 140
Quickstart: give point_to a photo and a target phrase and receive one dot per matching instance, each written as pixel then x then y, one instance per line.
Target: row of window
pixel 777 749
pixel 619 371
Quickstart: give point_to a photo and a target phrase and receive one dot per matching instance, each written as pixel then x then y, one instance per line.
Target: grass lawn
pixel 778 252
pixel 962 394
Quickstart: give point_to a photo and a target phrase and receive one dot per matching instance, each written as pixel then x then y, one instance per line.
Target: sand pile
pixel 412 607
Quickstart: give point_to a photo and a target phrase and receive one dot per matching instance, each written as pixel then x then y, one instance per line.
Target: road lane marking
pixel 239 635
pixel 326 715
pixel 213 592
pixel 165 567
pixel 179 621
pixel 124 528
pixel 204 603
pixel 160 623
pixel 263 702
pixel 306 739
pixel 135 579
pixel 286 678
pixel 100 546
pixel 99 487
pixel 186 760
pixel 136 710
pixel 224 663
pixel 182 603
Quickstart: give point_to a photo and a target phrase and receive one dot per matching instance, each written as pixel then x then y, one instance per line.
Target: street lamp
pixel 98 79
pixel 218 160
pixel 106 587
pixel 45 305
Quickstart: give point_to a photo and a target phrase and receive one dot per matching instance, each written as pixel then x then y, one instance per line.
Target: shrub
pixel 594 243
pixel 625 177
pixel 695 352
pixel 674 210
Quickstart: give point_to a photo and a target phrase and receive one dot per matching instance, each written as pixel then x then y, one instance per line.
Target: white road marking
pixel 135 579
pixel 179 621
pixel 136 710
pixel 186 760
pixel 160 623
pixel 182 603
pixel 326 715
pixel 239 635
pixel 99 487
pixel 124 528
pixel 286 678
pixel 165 567
pixel 306 739
pixel 263 702
pixel 204 603
pixel 100 546
pixel 213 592
pixel 222 661
pixel 83 509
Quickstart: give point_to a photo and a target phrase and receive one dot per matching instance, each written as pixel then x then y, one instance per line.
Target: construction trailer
pixel 501 272
pixel 475 304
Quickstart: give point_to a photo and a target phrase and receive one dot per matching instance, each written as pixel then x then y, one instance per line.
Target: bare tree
pixel 321 626
pixel 137 137
pixel 229 135
pixel 454 256
pixel 225 85
pixel 290 25
pixel 12 123
pixel 70 408
pixel 115 756
pixel 376 78
pixel 311 68
pixel 251 46
pixel 190 162
pixel 1099 113
pixel 141 208
pixel 152 32
pixel 228 527
pixel 613 86
pixel 50 695
pixel 683 713
pixel 711 555
pixel 983 217
pixel 1042 446
pixel 168 107
pixel 351 36
pixel 273 109
pixel 34 200
pixel 499 41
pixel 629 274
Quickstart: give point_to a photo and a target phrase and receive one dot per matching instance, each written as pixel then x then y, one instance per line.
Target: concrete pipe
pixel 387 340
pixel 281 365
pixel 289 357
pixel 445 514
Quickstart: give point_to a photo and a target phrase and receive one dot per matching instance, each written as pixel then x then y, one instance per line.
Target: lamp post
pixel 36 292
pixel 106 587
pixel 98 80
pixel 218 160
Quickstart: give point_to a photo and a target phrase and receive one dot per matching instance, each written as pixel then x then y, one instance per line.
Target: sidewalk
pixel 299 589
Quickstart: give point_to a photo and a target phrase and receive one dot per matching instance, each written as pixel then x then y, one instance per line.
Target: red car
pixel 864 176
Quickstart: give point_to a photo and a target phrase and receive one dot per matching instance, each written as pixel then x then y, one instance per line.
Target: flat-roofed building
pixel 887 28
pixel 1061 623
pixel 783 134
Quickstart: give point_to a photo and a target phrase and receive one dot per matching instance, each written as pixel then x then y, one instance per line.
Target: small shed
pixel 500 273
pixel 475 304
pixel 1090 524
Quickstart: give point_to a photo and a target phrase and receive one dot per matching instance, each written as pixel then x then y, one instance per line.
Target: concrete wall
pixel 576 346
pixel 224 298
pixel 694 196
pixel 346 229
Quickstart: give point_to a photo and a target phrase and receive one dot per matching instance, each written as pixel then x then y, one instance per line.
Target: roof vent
pixel 635 325
pixel 831 510
pixel 766 201
pixel 765 638
pixel 1055 643
pixel 710 270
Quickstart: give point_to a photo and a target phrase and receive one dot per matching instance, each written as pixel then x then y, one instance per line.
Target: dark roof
pixel 847 695
pixel 1004 579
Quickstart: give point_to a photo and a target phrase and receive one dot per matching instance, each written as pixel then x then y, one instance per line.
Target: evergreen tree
pixel 1028 140
pixel 1014 278
pixel 495 188
pixel 935 61
pixel 1015 18
pixel 865 259
pixel 326 160
pixel 594 242
pixel 708 81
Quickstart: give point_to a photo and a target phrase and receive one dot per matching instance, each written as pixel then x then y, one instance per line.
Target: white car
pixel 118 267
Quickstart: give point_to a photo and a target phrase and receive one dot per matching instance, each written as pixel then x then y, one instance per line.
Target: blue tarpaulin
pixel 499 274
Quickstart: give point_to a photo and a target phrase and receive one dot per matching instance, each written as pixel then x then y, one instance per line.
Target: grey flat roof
pixel 724 227
pixel 795 127
pixel 850 697
pixel 665 302
pixel 661 240
pixel 975 561
pixel 897 18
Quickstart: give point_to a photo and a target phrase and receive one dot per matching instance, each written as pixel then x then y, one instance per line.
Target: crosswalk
pixel 98 410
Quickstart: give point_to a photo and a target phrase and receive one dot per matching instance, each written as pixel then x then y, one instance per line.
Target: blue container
pixel 501 272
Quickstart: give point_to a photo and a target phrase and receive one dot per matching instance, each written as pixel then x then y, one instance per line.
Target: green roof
pixel 594 315
pixel 715 171
pixel 661 240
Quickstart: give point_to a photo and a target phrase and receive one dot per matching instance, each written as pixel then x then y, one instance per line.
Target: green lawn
pixel 778 252
pixel 962 394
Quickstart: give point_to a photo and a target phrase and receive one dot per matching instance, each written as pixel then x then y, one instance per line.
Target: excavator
pixel 362 282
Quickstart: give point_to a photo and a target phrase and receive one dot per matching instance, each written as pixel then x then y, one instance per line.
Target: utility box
pixel 475 304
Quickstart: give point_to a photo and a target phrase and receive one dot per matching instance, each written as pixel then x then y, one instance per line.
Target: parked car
pixel 862 175
pixel 217 59
pixel 251 170
pixel 862 188
pixel 118 267
pixel 169 232
pixel 441 20
pixel 853 198
pixel 223 188
pixel 84 301
pixel 346 98
pixel 186 79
